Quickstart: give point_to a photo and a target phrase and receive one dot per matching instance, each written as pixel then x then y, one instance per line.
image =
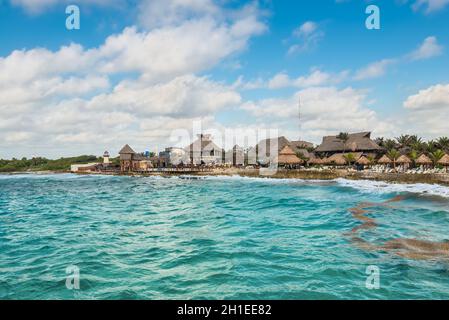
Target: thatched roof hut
pixel 403 160
pixel 357 142
pixel 337 159
pixel 424 160
pixel 126 150
pixel 316 161
pixel 364 161
pixel 444 160
pixel 288 157
pixel 384 160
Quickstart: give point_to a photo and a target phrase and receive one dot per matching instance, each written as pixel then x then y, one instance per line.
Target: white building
pixel 204 151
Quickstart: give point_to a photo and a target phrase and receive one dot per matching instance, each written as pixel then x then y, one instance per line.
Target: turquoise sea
pixel 217 238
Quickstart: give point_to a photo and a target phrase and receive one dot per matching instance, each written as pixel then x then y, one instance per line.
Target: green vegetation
pixel 43 164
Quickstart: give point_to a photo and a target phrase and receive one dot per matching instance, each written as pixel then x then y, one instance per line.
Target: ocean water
pixel 217 238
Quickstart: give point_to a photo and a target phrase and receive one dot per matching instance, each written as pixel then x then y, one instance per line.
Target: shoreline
pixel 324 175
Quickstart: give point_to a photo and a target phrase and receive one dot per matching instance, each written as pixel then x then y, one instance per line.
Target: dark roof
pixel 127 150
pixel 356 142
pixel 265 145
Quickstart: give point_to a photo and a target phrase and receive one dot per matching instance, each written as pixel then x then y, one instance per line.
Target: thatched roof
pixel 403 159
pixel 264 146
pixel 444 161
pixel 384 160
pixel 356 142
pixel 300 144
pixel 316 161
pixel 288 156
pixel 423 159
pixel 337 159
pixel 127 150
pixel 364 161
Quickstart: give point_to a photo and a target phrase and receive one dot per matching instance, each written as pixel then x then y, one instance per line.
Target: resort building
pixel 288 158
pixel 356 143
pixel 173 157
pixel 204 151
pixel 235 156
pixel 129 159
pixel 264 150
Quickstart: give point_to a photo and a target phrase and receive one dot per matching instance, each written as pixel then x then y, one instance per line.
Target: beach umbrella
pixel 364 161
pixel 337 159
pixel 316 161
pixel 288 157
pixel 385 160
pixel 403 160
pixel 424 160
pixel 444 161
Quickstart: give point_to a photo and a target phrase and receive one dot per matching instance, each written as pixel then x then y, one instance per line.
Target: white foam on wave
pixel 265 179
pixel 370 186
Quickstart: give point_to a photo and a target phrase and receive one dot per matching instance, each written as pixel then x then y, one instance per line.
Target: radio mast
pixel 299 118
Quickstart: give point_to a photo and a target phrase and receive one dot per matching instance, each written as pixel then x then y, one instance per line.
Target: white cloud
pixel 426 112
pixel 324 110
pixel 428 49
pixel 68 102
pixel 39 6
pixel 374 70
pixel 309 34
pixel 157 13
pixel 281 80
pixel 430 6
pixel 186 96
pixel 430 99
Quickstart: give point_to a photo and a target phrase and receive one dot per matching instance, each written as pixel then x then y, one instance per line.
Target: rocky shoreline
pixel 404 178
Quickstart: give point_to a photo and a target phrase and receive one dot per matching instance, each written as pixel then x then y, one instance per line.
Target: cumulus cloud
pixel 428 49
pixel 309 34
pixel 316 77
pixel 427 110
pixel 434 97
pixel 324 111
pixel 68 101
pixel 374 70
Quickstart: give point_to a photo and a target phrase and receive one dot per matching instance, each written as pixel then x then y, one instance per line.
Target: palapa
pixel 403 160
pixel 384 160
pixel 444 160
pixel 424 160
pixel 288 157
pixel 364 161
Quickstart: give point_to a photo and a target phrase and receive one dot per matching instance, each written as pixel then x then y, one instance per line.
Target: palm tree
pixel 415 139
pixel 403 140
pixel 437 155
pixel 393 154
pixel 443 143
pixel 350 158
pixel 430 146
pixel 390 144
pixel 343 136
pixel 413 155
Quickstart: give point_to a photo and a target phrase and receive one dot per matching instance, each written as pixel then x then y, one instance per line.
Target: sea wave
pixel 370 186
pixel 267 179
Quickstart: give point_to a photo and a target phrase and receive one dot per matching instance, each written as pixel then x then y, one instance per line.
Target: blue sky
pixel 142 71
